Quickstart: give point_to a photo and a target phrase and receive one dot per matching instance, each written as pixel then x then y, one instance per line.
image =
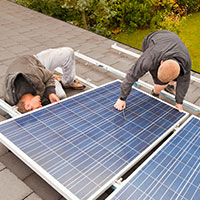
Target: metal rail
pixel 122 74
pixel 12 111
pixel 114 46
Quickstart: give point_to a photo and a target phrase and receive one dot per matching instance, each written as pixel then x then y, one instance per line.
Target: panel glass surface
pixel 173 173
pixel 83 142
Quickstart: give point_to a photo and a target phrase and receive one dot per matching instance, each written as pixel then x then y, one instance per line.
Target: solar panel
pixel 172 172
pixel 82 145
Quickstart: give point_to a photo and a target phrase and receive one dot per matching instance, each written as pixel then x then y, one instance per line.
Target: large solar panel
pixel 172 172
pixel 82 145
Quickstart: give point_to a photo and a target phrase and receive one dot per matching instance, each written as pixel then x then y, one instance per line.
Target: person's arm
pixel 51 94
pixel 143 65
pixel 182 86
pixel 49 82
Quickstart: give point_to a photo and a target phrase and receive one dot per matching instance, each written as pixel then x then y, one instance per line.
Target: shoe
pixel 76 85
pixel 154 94
pixel 170 89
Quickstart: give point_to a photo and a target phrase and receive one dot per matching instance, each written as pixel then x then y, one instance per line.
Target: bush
pixel 107 17
pixel 49 7
pixel 190 6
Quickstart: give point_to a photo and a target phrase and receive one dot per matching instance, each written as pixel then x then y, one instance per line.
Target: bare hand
pixel 53 98
pixel 120 104
pixel 179 107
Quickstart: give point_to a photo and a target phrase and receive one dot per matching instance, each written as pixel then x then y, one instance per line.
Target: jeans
pixel 60 57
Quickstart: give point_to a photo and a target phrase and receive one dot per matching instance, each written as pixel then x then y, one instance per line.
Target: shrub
pixel 106 17
pixel 49 7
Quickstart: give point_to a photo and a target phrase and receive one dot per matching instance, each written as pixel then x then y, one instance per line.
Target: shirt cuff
pixel 123 99
pixel 49 90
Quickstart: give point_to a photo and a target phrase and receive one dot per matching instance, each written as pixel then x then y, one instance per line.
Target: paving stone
pixel 33 196
pixel 45 191
pixel 8 61
pixel 20 26
pixel 197 75
pixel 3 149
pixel 97 55
pixel 83 48
pixel 29 43
pixel 7 43
pixel 11 187
pixel 82 68
pixel 122 66
pixel 3 69
pixel 192 97
pixel 2 166
pixel 104 81
pixel 1 89
pixel 39 48
pixel 15 165
pixel 192 88
pixel 108 60
pixel 195 83
pixel 62 198
pixel 6 55
pixel 3 36
pixel 17 49
pixel 2 113
pixel 92 75
pixel 31 34
pixel 197 102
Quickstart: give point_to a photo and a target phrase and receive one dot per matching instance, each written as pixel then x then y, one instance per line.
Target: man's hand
pixel 53 98
pixel 120 104
pixel 179 107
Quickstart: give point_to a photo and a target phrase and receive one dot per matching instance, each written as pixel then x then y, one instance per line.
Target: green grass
pixel 189 34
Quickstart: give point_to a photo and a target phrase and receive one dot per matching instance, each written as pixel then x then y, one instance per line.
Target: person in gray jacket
pixel 167 59
pixel 30 79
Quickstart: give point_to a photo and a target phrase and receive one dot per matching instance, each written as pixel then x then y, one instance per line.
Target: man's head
pixel 168 71
pixel 28 102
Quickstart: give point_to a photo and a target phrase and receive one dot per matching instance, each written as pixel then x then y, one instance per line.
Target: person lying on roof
pixel 29 79
pixel 167 59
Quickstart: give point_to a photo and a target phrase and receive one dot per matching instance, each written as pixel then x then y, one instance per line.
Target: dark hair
pixel 21 107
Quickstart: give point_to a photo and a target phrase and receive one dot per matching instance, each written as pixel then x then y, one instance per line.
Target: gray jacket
pixel 40 79
pixel 158 46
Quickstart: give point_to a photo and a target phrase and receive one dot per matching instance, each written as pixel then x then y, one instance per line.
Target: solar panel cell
pixel 172 172
pixel 83 143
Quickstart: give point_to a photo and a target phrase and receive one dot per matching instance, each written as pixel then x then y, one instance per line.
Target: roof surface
pixel 24 31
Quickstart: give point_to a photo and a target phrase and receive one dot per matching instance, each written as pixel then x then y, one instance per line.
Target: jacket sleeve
pixel 182 86
pixel 49 83
pixel 47 78
pixel 142 65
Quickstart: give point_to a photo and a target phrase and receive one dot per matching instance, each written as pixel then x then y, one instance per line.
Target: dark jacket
pixel 158 46
pixel 27 75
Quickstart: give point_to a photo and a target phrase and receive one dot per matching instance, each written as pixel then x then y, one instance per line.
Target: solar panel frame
pixel 145 163
pixel 52 181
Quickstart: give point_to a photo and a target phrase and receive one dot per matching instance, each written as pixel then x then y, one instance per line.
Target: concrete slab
pixel 33 196
pixel 11 187
pixel 3 149
pixel 22 33
pixel 2 166
pixel 45 191
pixel 16 166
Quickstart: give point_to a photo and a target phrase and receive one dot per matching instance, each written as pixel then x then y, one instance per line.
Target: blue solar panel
pixel 84 144
pixel 173 173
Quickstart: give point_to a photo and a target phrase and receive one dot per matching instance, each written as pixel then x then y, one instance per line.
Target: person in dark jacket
pixel 30 79
pixel 167 59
